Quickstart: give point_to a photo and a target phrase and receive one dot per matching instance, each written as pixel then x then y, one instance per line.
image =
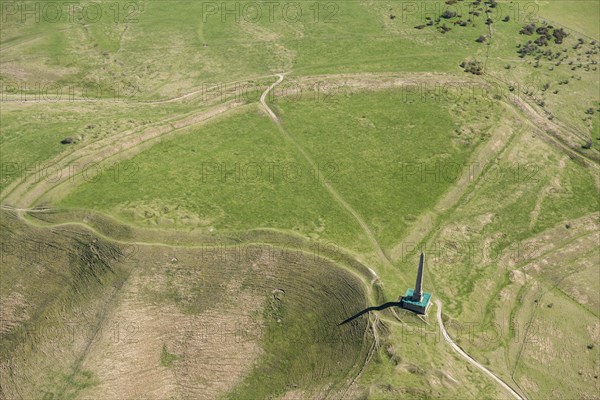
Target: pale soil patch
pixel 213 352
pixel 165 213
pixel 529 385
pixel 553 185
pixel 426 221
pixel 506 294
pixel 594 331
pixel 485 219
pixel 27 74
pixel 447 378
pixel 325 86
pixel 552 239
pixel 13 312
pixel 562 255
pixel 517 277
pixel 541 349
pixel 582 298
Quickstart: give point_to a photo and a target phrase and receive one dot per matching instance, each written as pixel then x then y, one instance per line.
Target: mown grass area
pixel 396 152
pixel 231 175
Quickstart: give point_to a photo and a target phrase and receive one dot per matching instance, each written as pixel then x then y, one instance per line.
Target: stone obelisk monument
pixel 418 293
pixel 416 300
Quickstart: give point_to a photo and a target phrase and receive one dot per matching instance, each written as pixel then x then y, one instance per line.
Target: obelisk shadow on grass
pixel 373 308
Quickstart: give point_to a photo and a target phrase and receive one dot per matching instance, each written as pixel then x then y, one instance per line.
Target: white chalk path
pixel 469 358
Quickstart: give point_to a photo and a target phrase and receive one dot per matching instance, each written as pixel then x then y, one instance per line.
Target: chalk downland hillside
pixel 167 235
pixel 94 318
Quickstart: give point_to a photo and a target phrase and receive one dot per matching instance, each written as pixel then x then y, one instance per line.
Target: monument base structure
pixel 415 299
pixel 420 307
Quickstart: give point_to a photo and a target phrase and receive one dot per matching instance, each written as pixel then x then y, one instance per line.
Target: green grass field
pixel 225 240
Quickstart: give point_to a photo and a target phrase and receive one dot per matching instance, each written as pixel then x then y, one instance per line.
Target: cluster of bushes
pixel 559 34
pixel 527 48
pixel 449 14
pixel 527 30
pixel 546 33
pixel 473 66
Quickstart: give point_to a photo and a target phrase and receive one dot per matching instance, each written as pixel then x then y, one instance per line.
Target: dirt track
pixel 26 192
pixel 338 198
pixel 460 351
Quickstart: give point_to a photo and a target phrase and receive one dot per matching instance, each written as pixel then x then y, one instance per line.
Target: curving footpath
pixel 263 98
pixel 340 200
pixel 468 357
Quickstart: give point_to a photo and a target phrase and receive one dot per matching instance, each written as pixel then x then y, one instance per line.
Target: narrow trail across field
pixel 426 222
pixel 374 321
pixel 216 89
pixel 25 192
pixel 375 244
pixel 460 351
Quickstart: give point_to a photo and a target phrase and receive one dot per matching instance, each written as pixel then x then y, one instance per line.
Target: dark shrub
pixel 527 30
pixel 559 34
pixel 541 41
pixel 444 28
pixel 473 66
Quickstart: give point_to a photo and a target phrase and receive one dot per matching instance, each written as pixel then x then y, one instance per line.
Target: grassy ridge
pixel 55 287
pixel 504 247
pixel 396 152
pixel 290 304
